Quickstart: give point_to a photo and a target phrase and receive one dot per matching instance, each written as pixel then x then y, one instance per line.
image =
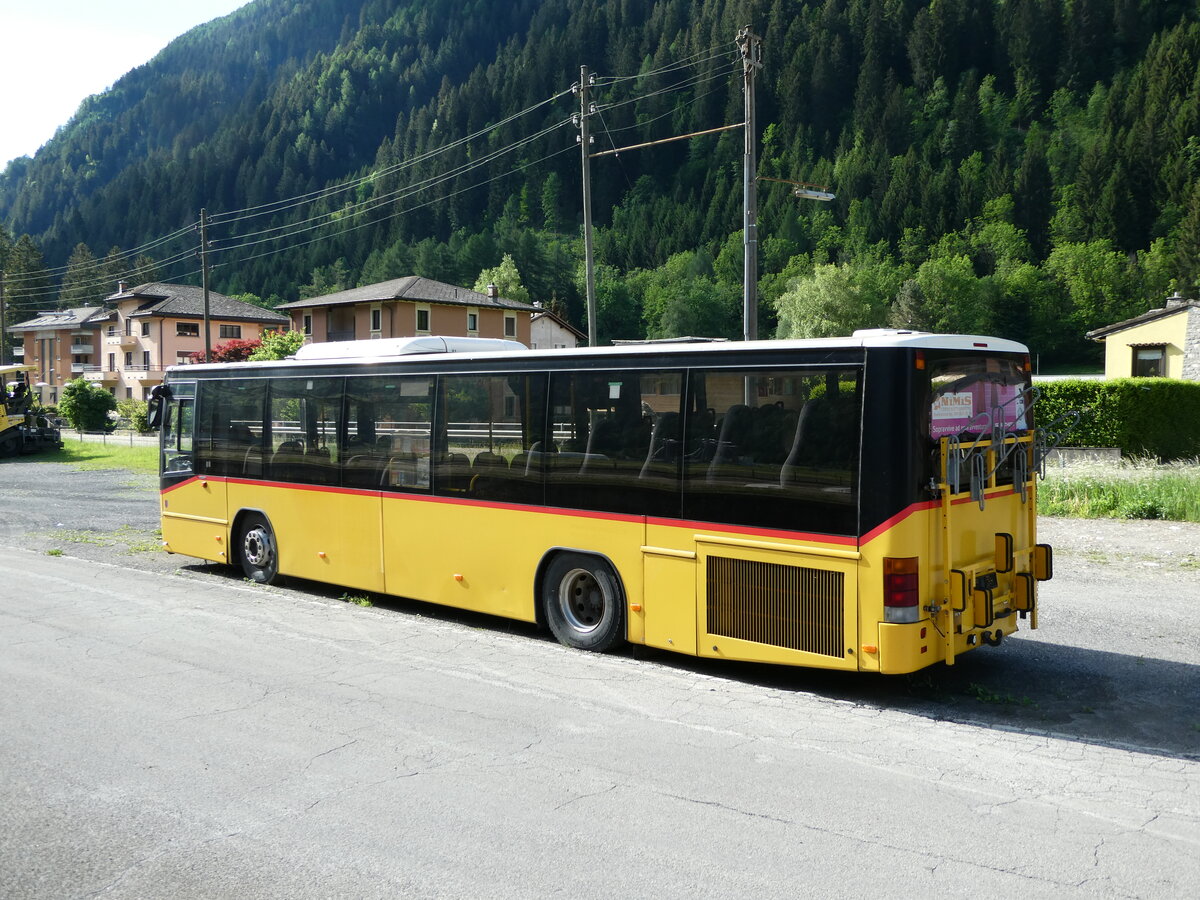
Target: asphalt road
pixel 168 729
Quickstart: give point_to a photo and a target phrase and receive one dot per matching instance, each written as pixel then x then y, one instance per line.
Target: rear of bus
pixel 950 559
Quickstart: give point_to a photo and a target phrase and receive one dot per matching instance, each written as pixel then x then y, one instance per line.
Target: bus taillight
pixel 901 589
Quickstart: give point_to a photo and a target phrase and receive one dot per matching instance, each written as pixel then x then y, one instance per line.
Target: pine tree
pixel 81 285
pixel 27 287
pixel 1187 245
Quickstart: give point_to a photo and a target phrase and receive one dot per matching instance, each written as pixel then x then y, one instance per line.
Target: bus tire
pixel 583 602
pixel 257 549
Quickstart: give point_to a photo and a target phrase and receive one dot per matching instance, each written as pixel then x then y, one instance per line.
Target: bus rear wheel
pixel 257 550
pixel 583 602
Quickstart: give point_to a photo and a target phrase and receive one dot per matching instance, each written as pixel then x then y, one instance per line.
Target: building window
pixel 472 321
pixel 187 329
pixel 376 319
pixel 231 331
pixel 146 360
pixel 423 319
pixel 183 357
pixel 145 329
pixel 128 393
pixel 1150 361
pixel 510 325
pixel 128 358
pixel 307 325
pixel 112 362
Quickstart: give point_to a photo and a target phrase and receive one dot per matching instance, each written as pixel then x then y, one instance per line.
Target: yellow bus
pixel 862 503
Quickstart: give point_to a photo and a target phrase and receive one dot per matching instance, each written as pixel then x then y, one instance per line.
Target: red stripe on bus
pixel 752 531
pixel 893 521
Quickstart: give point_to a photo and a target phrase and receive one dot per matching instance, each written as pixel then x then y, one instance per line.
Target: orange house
pixel 410 306
pixel 61 344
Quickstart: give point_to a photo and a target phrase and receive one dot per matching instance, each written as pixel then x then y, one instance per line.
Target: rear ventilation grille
pixel 785 606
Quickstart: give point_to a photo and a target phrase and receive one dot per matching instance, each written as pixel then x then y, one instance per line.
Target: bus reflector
pixel 1043 562
pixel 901 589
pixel 920 359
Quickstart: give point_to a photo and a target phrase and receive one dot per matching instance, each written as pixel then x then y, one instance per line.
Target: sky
pixel 54 53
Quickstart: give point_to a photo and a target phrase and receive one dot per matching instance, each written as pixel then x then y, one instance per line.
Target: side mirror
pixel 154 407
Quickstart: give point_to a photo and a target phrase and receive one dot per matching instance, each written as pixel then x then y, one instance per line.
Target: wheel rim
pixel 583 600
pixel 257 547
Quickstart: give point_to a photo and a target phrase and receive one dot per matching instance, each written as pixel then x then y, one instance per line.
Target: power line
pixel 395 213
pixel 290 202
pixel 693 60
pixel 100 262
pixel 383 199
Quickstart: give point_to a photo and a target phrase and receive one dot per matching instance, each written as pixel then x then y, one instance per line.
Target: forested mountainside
pixel 1029 168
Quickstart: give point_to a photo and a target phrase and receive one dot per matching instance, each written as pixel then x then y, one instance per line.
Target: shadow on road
pixel 1027 686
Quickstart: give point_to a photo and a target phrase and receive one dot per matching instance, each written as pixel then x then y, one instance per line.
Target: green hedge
pixel 1143 416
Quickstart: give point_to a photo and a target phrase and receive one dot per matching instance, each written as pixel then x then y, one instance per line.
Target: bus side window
pixel 607 457
pixel 774 447
pixel 388 432
pixel 489 429
pixel 230 427
pixel 304 415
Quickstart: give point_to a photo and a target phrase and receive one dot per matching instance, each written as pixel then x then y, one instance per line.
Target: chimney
pixel 120 287
pixel 492 291
pixel 1175 299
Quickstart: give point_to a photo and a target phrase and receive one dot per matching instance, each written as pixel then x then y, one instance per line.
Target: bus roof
pixel 402 349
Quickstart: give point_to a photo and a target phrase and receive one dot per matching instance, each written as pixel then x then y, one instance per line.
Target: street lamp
pixel 813 192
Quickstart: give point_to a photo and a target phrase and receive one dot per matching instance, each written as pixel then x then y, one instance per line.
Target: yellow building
pixel 1161 343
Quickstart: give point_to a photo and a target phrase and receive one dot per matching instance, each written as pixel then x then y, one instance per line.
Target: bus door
pixel 980 418
pixel 202 530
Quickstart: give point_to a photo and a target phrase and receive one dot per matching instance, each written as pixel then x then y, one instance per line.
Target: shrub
pixel 278 345
pixel 235 350
pixel 1142 416
pixel 133 412
pixel 86 406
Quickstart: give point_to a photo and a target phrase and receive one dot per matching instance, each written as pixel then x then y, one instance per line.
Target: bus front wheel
pixel 583 602
pixel 257 550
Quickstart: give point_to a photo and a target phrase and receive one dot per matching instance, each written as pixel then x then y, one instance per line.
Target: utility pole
pixel 204 282
pixel 750 46
pixel 3 326
pixel 585 144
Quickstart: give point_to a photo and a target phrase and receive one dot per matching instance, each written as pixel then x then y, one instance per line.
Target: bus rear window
pixel 974 395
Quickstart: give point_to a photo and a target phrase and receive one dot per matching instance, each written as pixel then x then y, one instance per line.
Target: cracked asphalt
pixel 169 729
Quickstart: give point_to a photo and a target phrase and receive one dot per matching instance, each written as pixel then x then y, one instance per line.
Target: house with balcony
pixel 410 306
pixel 63 344
pixel 1161 343
pixel 156 325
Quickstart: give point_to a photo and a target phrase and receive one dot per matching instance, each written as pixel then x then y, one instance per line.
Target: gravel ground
pixel 1125 545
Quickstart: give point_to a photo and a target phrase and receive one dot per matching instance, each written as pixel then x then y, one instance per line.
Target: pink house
pixel 158 325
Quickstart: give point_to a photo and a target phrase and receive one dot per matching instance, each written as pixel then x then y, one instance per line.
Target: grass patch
pixel 356 599
pixel 94 457
pixel 1132 489
pixel 132 539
